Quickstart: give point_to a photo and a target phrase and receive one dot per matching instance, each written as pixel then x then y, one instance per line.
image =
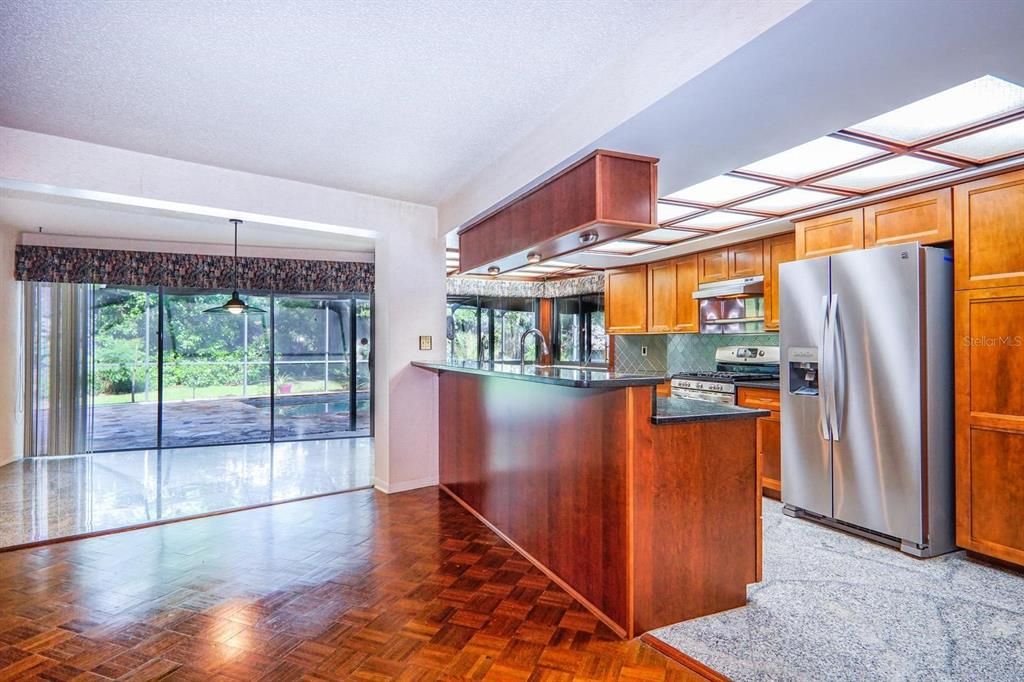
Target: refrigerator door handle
pixel 824 421
pixel 837 370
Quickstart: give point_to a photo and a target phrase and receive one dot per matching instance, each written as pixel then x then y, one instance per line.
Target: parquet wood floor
pixel 355 586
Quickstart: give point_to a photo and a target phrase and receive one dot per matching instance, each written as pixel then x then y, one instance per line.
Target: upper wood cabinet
pixel 625 300
pixel 830 234
pixel 746 260
pixel 687 307
pixel 925 218
pixel 713 266
pixel 988 223
pixel 661 296
pixel 730 262
pixel 777 250
pixel 990 421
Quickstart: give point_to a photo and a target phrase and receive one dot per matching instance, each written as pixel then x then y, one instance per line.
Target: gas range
pixel 733 363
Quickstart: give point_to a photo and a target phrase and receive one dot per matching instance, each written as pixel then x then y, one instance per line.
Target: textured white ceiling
pixel 393 98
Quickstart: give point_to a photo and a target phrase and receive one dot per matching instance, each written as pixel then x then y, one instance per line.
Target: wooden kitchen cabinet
pixel 746 260
pixel 713 266
pixel 777 250
pixel 731 262
pixel 830 234
pixel 990 421
pixel 769 436
pixel 687 317
pixel 925 218
pixel 661 296
pixel 988 225
pixel 625 300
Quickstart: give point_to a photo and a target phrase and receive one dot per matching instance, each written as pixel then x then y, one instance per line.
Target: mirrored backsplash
pixel 672 353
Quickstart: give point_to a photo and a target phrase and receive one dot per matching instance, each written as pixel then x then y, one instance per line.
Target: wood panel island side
pixel 647 510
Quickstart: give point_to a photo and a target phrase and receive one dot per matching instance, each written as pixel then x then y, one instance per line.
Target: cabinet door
pixel 777 250
pixel 925 218
pixel 713 266
pixel 625 300
pixel 830 234
pixel 687 307
pixel 988 220
pixel 990 422
pixel 661 296
pixel 769 447
pixel 746 260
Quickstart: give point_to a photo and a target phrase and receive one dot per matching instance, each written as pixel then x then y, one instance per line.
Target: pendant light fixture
pixel 235 305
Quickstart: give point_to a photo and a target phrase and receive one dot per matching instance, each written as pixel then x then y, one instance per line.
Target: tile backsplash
pixel 671 353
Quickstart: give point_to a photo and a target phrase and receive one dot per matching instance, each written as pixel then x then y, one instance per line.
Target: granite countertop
pixel 770 384
pixel 559 376
pixel 683 410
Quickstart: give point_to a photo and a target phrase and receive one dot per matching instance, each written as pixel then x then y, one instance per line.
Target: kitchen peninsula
pixel 645 509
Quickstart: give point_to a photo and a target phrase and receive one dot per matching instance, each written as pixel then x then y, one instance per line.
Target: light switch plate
pixel 426 342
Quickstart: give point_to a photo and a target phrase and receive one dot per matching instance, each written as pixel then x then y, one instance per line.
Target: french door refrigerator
pixel 867 394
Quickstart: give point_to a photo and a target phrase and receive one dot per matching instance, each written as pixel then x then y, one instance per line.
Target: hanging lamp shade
pixel 235 305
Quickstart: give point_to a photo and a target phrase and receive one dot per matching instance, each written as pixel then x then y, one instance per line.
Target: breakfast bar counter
pixel 647 511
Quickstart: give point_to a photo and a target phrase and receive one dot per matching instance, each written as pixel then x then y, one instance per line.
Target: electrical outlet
pixel 643 351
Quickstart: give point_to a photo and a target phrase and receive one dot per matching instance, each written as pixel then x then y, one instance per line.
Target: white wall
pixel 409 258
pixel 11 400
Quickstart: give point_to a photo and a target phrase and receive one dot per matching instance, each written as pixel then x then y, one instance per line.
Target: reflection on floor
pixel 42 498
pixel 357 586
pixel 834 607
pixel 121 426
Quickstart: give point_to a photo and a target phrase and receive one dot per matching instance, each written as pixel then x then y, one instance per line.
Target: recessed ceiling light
pixel 812 158
pixel 961 106
pixel 721 190
pixel 669 212
pixel 789 200
pixel 621 248
pixel 988 145
pixel 666 235
pixel 892 171
pixel 719 220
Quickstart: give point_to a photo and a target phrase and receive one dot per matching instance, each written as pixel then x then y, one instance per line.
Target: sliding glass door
pixel 216 371
pixel 123 368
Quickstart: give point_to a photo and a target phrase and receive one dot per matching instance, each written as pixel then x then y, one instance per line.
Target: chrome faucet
pixel 522 346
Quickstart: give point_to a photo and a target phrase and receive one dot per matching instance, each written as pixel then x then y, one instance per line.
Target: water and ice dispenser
pixel 803 371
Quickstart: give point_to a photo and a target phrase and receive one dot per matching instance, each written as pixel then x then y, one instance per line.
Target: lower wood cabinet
pixel 830 234
pixel 625 300
pixel 990 422
pixel 769 436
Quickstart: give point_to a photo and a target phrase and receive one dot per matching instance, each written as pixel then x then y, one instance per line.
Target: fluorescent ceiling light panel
pixel 667 212
pixel 892 171
pixel 993 143
pixel 721 190
pixel 959 107
pixel 543 268
pixel 620 248
pixel 720 220
pixel 789 200
pixel 666 235
pixel 559 264
pixel 812 158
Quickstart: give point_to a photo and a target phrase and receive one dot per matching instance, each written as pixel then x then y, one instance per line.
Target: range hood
pixel 745 287
pixel 602 197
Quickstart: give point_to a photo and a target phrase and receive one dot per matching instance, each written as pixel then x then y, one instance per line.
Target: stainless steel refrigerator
pixel 867 394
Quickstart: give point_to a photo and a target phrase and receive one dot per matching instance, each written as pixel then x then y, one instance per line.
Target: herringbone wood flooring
pixel 359 585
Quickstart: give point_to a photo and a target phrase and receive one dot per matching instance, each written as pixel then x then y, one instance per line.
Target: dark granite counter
pixel 559 376
pixel 683 410
pixel 770 384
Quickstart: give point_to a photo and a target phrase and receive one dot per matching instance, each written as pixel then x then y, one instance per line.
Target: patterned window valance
pixel 555 288
pixel 187 270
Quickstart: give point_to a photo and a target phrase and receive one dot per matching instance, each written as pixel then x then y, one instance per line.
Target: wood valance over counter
pixel 189 270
